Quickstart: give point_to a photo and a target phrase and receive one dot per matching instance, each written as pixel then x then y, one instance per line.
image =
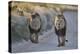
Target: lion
pixel 34 27
pixel 60 29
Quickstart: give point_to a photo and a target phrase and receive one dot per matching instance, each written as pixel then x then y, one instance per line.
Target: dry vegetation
pixel 29 7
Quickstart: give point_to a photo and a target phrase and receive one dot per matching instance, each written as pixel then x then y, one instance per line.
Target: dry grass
pixel 29 6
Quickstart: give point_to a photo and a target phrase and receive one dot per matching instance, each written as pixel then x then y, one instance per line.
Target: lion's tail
pixel 66 40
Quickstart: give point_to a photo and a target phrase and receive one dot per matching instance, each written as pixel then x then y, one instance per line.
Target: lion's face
pixel 59 22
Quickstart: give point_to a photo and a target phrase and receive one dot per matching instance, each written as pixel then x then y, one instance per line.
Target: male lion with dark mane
pixel 34 27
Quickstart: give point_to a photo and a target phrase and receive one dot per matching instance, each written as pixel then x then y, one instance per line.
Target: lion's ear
pixel 36 14
pixel 33 16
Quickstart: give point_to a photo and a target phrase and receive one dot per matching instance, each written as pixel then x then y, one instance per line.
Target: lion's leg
pixel 59 42
pixel 34 38
pixel 63 41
